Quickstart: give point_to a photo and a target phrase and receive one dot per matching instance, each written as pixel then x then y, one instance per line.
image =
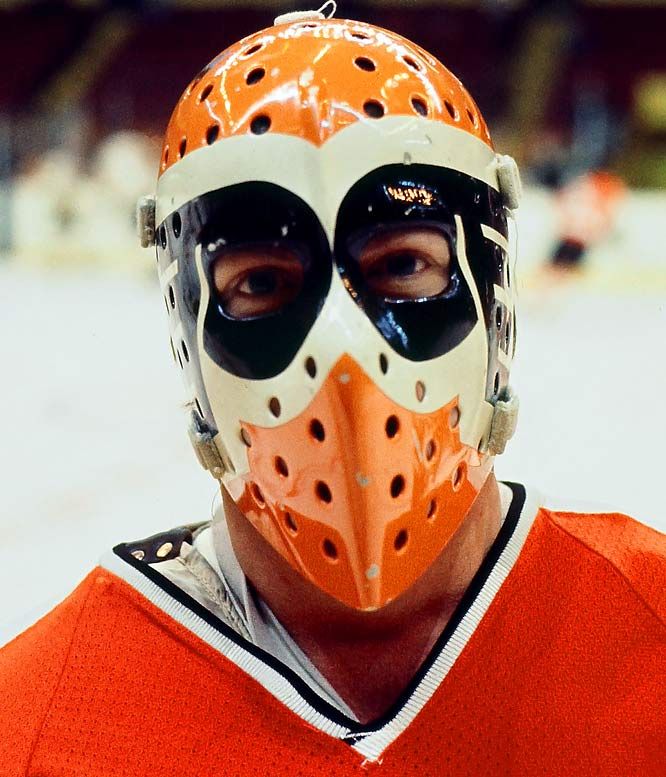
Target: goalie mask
pixel 332 231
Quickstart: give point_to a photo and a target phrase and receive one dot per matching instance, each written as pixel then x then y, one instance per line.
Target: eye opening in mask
pixel 256 280
pixel 404 262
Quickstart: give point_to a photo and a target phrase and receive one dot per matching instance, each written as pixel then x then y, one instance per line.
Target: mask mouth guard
pixel 353 431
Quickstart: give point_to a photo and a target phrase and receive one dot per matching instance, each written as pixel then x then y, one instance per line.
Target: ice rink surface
pixel 95 449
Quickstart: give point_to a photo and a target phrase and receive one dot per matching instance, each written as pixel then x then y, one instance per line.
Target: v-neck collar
pixel 369 739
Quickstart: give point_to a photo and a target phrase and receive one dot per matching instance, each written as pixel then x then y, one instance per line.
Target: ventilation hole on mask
pixel 330 551
pixel 373 108
pixel 311 366
pixel 392 426
pixel 180 360
pixel 411 62
pixel 397 486
pixel 498 317
pixel 182 147
pixel 274 406
pixel 454 417
pixel 186 353
pixel 254 76
pixel 245 437
pixel 317 429
pixel 290 523
pixel 173 350
pixel 197 404
pixel 364 63
pixel 420 390
pixel 458 477
pixel 257 495
pixel 430 449
pixel 360 35
pixel 420 106
pixel 281 466
pixel 260 124
pixel 472 117
pixel 323 492
pixel 383 363
pixel 308 26
pixel 252 50
pixel 205 92
pixel 163 236
pixel 497 382
pixel 212 134
pixel 177 224
pixel 507 335
pixel 166 154
pixel 453 113
pixel 166 305
pixel 432 509
pixel 401 540
pixel 482 445
pixel 172 298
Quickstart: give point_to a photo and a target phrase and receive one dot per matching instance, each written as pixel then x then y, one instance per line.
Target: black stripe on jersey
pixel 358 731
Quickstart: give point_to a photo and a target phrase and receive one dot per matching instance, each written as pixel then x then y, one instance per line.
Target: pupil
pixel 262 282
pixel 401 264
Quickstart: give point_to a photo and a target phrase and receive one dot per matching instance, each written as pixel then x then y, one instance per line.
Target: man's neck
pixel 369 657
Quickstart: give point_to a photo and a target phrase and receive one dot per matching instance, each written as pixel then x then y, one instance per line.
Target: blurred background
pixel 94 449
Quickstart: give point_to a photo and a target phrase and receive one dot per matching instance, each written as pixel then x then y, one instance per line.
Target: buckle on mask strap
pixel 503 424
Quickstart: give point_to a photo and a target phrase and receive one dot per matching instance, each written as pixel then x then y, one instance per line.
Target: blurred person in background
pixel 332 227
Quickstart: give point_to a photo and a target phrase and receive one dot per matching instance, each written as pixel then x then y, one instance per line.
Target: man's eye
pixel 403 264
pixel 260 282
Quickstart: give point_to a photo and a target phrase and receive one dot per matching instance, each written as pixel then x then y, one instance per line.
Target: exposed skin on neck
pixel 369 657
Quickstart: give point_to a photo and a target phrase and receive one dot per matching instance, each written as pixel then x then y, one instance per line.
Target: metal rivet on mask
pixel 138 554
pixel 164 550
pixel 372 571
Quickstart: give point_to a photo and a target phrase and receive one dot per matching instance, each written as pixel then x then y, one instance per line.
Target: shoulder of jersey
pixel 633 550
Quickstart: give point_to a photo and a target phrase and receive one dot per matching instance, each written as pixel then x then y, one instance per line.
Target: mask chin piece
pixel 503 424
pixel 205 447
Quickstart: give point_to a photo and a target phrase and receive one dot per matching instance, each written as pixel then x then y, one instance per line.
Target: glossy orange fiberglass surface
pixel 311 79
pixel 359 494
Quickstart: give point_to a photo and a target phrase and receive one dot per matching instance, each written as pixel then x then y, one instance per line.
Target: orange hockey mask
pixel 333 247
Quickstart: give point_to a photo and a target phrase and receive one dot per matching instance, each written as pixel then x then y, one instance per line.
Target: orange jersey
pixel 553 664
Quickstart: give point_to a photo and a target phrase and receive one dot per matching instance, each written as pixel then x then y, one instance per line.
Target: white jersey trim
pixel 370 743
